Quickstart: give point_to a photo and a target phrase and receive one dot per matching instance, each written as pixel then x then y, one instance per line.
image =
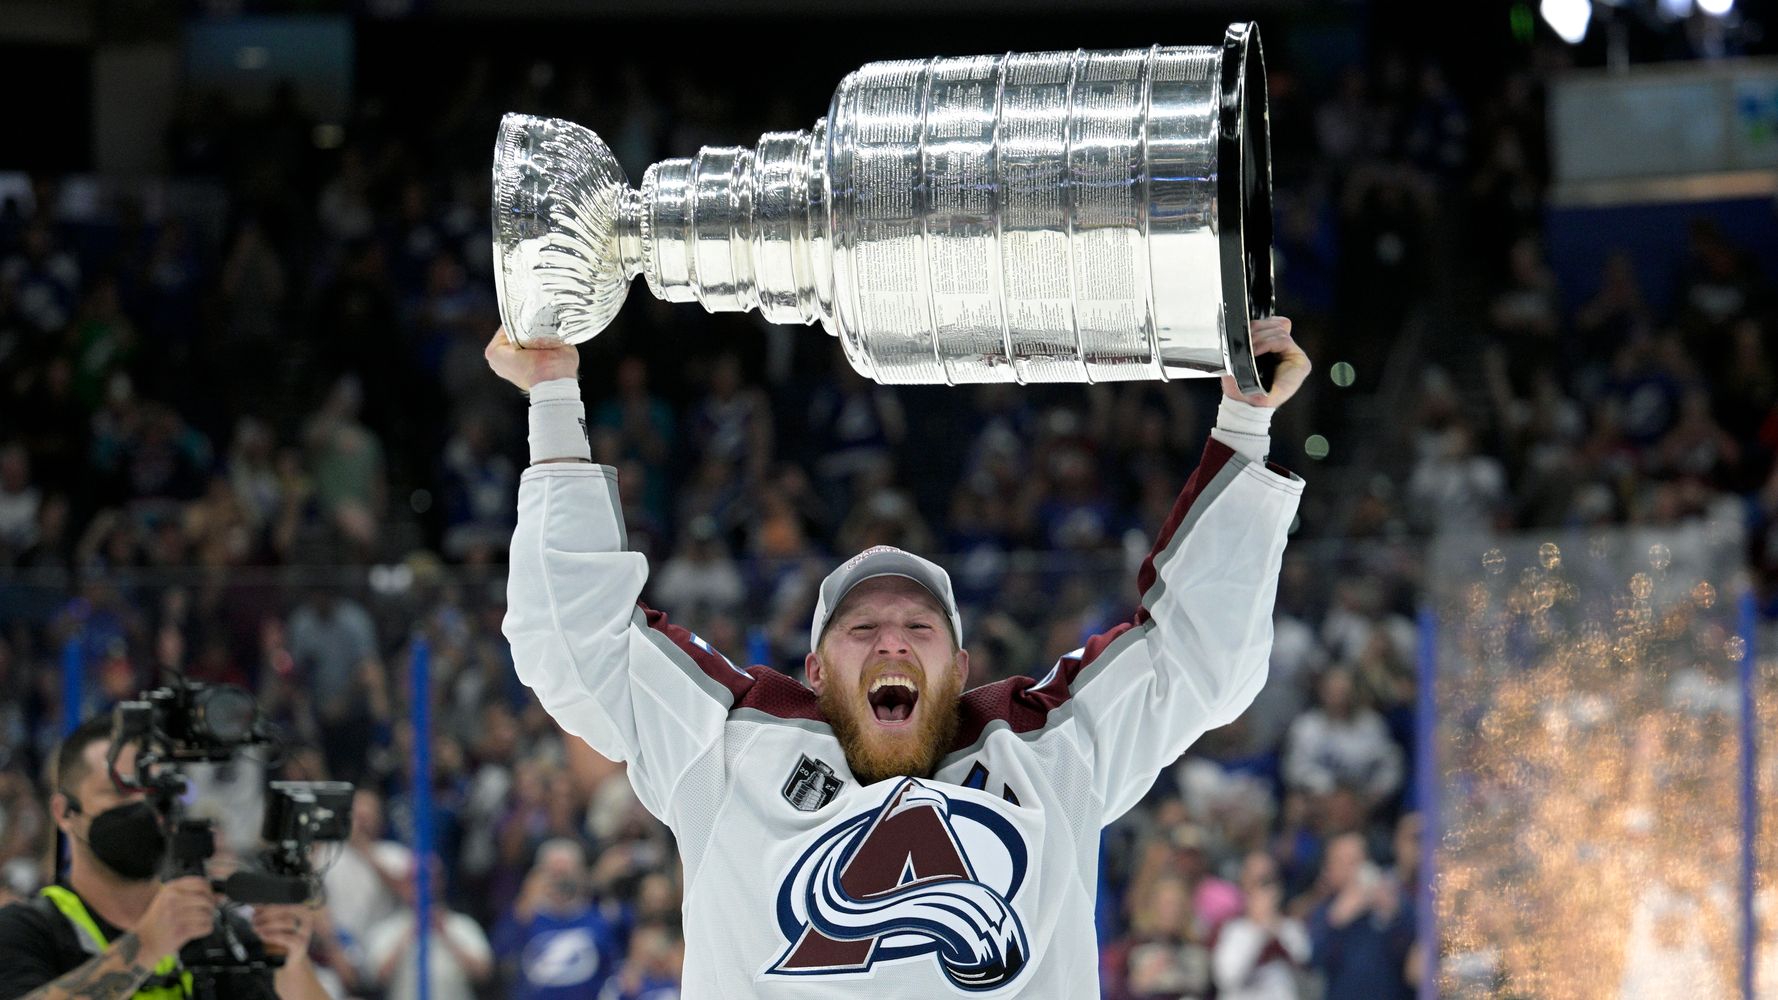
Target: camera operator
pixel 111 929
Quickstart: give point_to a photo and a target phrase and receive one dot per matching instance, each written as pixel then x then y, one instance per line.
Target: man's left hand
pixel 1272 336
pixel 285 929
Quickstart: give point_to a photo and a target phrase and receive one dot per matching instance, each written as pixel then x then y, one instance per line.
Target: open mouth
pixel 892 699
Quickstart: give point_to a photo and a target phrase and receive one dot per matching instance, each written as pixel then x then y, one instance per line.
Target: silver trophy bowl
pixel 1029 217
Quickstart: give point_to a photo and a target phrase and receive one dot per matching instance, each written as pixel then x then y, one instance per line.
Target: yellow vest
pixel 167 983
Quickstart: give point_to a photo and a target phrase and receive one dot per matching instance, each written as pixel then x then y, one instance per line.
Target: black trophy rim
pixel 1244 200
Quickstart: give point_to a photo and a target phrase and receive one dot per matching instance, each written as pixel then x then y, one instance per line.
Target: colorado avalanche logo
pixel 924 875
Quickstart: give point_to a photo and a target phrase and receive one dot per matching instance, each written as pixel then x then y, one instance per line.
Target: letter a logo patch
pixel 923 877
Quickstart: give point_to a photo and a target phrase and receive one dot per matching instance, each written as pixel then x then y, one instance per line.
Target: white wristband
pixel 1244 427
pixel 558 422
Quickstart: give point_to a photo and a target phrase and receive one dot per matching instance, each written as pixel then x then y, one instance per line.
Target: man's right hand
pixel 525 367
pixel 183 911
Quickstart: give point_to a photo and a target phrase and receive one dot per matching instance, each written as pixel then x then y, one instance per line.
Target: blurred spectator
pixel 479 484
pixel 253 473
pixel 1526 313
pixel 1719 282
pixel 1616 315
pixel 333 646
pixel 1642 399
pixel 215 526
pixel 1696 446
pixel 331 639
pixel 855 425
pixel 1162 956
pixel 19 502
pixel 344 209
pixel 701 580
pixel 1455 490
pixel 1261 954
pixel 346 460
pixel 636 424
pixel 554 942
pixel 254 285
pixel 25 828
pixel 459 956
pixel 44 279
pixel 733 422
pixel 654 966
pixel 1361 934
pixel 364 884
pixel 104 340
pixel 1342 742
pixel 884 515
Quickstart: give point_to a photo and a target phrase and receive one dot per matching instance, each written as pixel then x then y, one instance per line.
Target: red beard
pixel 874 753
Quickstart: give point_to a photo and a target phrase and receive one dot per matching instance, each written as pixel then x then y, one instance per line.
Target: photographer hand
pixel 183 910
pixel 285 930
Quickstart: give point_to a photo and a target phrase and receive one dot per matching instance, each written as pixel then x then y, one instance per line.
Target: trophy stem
pixel 737 229
pixel 627 229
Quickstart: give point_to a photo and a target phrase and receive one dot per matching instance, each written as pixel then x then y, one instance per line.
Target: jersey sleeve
pixel 608 669
pixel 1195 655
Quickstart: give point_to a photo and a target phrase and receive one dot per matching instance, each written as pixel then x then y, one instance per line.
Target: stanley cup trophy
pixel 1043 217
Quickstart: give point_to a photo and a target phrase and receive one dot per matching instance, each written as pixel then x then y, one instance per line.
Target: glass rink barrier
pixel 1587 731
pixel 1601 767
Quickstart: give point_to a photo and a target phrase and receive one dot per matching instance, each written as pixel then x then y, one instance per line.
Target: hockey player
pixel 882 831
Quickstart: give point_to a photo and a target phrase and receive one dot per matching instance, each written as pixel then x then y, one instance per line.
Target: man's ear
pixel 61 810
pixel 962 662
pixel 814 671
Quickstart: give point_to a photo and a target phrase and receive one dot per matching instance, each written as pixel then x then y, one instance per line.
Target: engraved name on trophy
pixel 1043 217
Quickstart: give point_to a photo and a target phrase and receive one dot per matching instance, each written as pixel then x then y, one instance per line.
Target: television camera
pixel 185 723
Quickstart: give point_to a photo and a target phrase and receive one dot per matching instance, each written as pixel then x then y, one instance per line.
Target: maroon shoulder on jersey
pixel 714 665
pixel 760 688
pixel 776 693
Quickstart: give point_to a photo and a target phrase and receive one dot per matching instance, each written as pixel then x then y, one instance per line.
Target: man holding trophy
pixel 883 830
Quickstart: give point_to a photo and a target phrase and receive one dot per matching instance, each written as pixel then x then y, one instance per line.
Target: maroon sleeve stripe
pixel 713 664
pixel 1216 455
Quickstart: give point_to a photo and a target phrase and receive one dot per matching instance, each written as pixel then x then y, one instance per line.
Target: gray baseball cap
pixel 884 560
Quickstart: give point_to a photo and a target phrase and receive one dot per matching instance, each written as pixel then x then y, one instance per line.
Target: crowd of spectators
pixel 262 448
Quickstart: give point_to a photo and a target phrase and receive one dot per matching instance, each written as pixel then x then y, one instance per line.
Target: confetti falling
pixel 1589 761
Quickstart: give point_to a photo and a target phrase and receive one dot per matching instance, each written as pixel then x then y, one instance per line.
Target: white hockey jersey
pixel 978 881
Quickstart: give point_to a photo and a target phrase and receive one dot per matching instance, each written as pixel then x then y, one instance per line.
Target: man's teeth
pixel 883 682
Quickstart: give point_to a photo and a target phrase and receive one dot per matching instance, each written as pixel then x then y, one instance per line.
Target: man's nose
pixel 892 639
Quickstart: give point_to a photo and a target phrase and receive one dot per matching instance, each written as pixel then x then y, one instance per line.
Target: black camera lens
pixel 224 714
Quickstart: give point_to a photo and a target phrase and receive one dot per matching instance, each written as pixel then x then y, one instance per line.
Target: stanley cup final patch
pixel 812 785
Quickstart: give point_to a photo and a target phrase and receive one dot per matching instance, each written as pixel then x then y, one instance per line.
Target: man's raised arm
pixel 1195 655
pixel 608 670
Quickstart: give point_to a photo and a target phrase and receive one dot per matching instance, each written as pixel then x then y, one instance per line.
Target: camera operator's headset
pixel 166 983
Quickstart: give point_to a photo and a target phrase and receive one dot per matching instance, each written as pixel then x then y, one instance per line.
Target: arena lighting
pixel 1675 10
pixel 1568 18
pixel 1716 8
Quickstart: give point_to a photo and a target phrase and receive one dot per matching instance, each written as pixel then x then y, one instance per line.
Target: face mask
pixel 129 840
